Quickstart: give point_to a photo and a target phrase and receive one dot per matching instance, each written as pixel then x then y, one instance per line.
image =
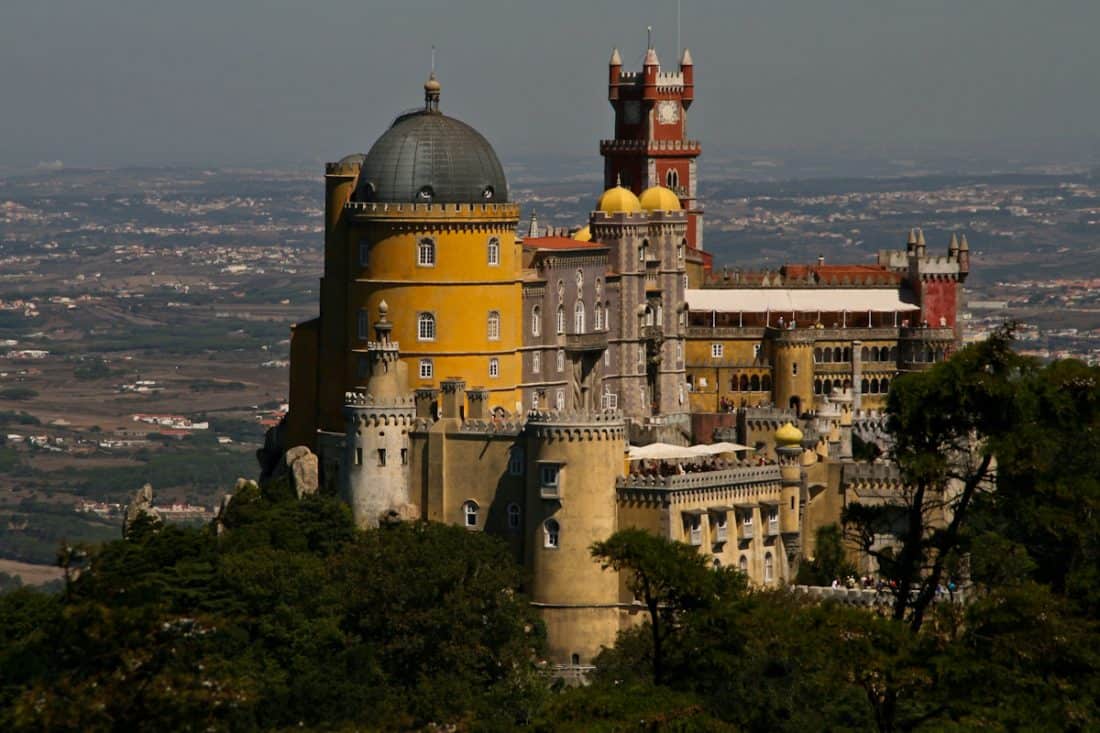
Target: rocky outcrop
pixel 270 457
pixel 301 464
pixel 140 506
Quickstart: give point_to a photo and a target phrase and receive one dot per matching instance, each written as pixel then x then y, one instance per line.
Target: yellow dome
pixel 788 435
pixel 584 234
pixel 659 198
pixel 618 199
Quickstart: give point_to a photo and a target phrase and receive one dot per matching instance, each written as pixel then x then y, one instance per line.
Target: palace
pixel 554 388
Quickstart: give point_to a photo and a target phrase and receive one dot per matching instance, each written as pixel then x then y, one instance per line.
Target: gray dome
pixel 428 157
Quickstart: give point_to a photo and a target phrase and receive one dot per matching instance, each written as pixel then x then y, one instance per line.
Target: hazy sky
pixel 112 82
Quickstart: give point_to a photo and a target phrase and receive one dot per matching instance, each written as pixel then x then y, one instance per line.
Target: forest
pixel 283 615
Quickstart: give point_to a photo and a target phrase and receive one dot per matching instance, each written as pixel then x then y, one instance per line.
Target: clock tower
pixel 650 147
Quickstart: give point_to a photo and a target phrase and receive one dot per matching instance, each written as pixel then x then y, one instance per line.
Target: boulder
pixel 140 505
pixel 302 464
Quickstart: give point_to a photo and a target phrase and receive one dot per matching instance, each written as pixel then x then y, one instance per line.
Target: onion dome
pixel 618 199
pixel 788 435
pixel 584 234
pixel 427 157
pixel 659 198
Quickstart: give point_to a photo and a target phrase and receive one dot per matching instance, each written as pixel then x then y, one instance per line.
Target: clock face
pixel 632 112
pixel 668 112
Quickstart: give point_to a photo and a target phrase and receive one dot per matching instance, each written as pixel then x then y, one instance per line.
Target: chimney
pixel 454 397
pixel 477 400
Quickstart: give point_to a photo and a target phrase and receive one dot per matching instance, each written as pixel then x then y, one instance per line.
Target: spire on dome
pixel 685 58
pixel 431 93
pixel 616 59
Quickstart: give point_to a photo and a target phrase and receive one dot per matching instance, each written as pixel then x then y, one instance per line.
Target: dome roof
pixel 788 434
pixel 618 199
pixel 659 198
pixel 428 157
pixel 584 234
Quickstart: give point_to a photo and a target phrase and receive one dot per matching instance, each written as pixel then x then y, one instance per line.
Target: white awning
pixel 667 451
pixel 797 300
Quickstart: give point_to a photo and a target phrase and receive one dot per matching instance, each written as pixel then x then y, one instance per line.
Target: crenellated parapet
pixel 493 427
pixel 576 425
pixel 365 399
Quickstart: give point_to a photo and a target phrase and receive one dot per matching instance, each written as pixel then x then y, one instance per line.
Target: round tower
pixel 788 447
pixel 793 373
pixel 574 462
pixel 375 480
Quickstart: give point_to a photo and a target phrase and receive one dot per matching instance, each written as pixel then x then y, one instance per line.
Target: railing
pixel 721 533
pixel 591 341
pixel 747 531
pixel 696 536
pixel 706 479
pixel 773 527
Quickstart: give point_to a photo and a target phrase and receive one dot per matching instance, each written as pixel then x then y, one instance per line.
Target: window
pixel 536 361
pixel 755 350
pixel 681 248
pixel 515 462
pixel 494 326
pixel 513 516
pixel 607 357
pixel 598 317
pixel 494 368
pixel 425 252
pixel 425 327
pixel 426 369
pixel 561 360
pixel 364 252
pixel 494 251
pixel 685 280
pixel 716 351
pixel 536 321
pixel 672 178
pixel 549 473
pixel 559 400
pixel 551 532
pixel 768 567
pixel 580 279
pixel 561 319
pixel 364 324
pixel 358 456
pixel 641 359
pixel 469 510
pixel 743 564
pixel 404 456
pixel 578 316
pixel 794 368
pixel 679 352
pixel 381 456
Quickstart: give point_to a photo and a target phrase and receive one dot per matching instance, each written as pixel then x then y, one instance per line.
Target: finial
pixel 432 88
pixel 618 180
pixel 383 309
pixel 649 36
pixel 685 59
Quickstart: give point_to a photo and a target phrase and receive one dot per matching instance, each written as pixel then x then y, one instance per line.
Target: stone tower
pixel 571 474
pixel 374 475
pixel 650 147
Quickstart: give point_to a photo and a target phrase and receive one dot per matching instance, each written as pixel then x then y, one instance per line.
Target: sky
pixel 244 82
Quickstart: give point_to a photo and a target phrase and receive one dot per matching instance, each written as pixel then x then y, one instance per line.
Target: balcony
pixel 696 535
pixel 591 341
pixel 747 531
pixel 773 527
pixel 721 533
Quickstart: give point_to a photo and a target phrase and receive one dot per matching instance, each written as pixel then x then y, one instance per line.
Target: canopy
pixel 797 300
pixel 667 451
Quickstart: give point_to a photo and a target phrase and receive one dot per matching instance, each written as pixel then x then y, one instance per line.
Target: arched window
pixel 817 386
pixel 837 354
pixel 578 316
pixel 425 252
pixel 561 319
pixel 769 570
pixel 743 565
pixel 469 510
pixel 494 326
pixel 559 400
pixel 494 251
pixel 598 317
pixel 754 383
pixel 599 286
pixel 847 384
pixel 817 355
pixel 536 321
pixel 874 386
pixel 513 516
pixel 681 250
pixel 425 327
pixel 672 178
pixel 828 354
pixel 744 383
pixel 733 384
pixel 865 386
pixel 766 383
pixel 865 353
pixel 580 279
pixel 847 354
pixel 643 251
pixel 536 361
pixel 561 360
pixel 894 354
pixel 885 386
pixel 874 353
pixel 426 369
pixel 551 533
pixel 494 367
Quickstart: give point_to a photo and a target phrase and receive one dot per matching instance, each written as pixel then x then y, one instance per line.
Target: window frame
pixel 470 510
pixel 493 252
pixel 492 326
pixel 425 318
pixel 428 373
pixel 425 246
pixel 551 534
pixel 494 368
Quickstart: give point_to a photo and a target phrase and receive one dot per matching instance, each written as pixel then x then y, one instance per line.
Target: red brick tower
pixel 651 146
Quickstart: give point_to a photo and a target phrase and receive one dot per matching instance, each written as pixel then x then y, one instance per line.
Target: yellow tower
pixel 793 376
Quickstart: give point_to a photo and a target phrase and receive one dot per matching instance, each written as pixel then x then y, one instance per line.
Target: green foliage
pixel 830 562
pixel 12 417
pixel 18 393
pixel 290 617
pixel 90 369
pixel 215 385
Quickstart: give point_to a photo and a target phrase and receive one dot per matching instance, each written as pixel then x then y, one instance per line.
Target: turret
pixel 614 73
pixel 687 68
pixel 651 67
pixel 964 255
pixel 921 245
pixel 788 448
pixel 911 243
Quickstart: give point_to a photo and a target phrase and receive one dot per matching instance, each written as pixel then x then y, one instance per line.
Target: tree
pixel 669 577
pixel 829 561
